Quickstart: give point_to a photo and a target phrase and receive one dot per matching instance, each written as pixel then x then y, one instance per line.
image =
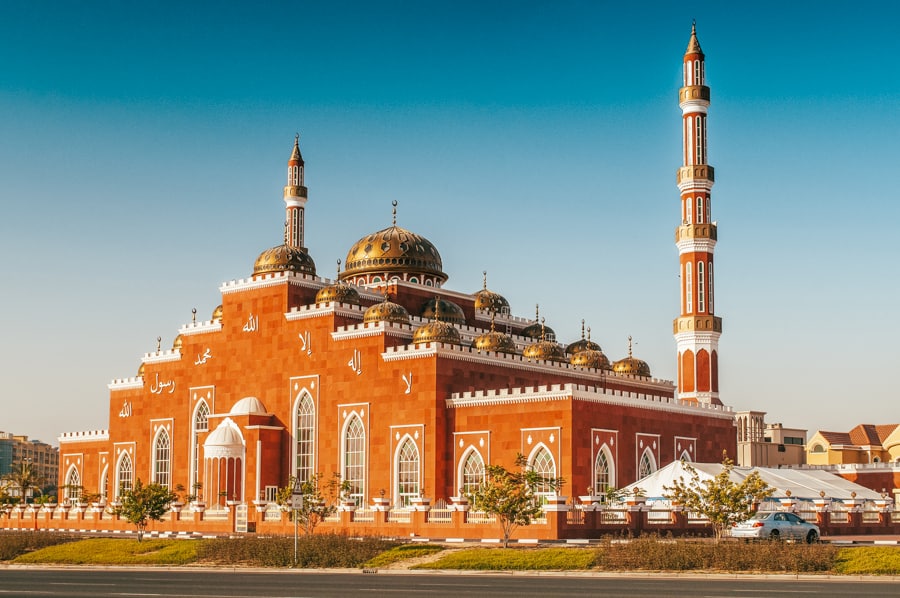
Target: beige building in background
pixel 767 445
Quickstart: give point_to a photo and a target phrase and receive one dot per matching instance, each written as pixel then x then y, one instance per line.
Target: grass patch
pixel 868 560
pixel 13 544
pixel 403 553
pixel 514 559
pixel 115 551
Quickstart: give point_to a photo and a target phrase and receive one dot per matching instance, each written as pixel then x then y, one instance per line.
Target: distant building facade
pixel 767 445
pixel 44 458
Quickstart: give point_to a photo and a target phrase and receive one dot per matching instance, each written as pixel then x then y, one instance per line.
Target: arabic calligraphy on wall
pixel 158 387
pixel 203 358
pixel 408 379
pixel 126 409
pixel 305 345
pixel 355 362
pixel 252 324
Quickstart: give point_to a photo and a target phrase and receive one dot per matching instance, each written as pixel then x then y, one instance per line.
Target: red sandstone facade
pixel 407 397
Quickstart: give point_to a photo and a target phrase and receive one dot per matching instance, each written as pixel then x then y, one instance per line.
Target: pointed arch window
pixel 472 472
pixel 604 476
pixel 305 437
pixel 73 485
pixel 543 464
pixel 162 459
pixel 124 475
pixel 688 288
pixel 104 482
pixel 709 275
pixel 199 424
pixel 354 458
pixel 699 209
pixel 701 288
pixel 647 464
pixel 407 473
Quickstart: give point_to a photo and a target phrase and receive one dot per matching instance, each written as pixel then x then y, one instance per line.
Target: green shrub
pixel 116 551
pixel 403 553
pixel 316 551
pixel 514 559
pixel 13 544
pixel 868 560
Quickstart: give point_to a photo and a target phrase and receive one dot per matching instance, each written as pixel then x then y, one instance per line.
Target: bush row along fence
pixel 588 520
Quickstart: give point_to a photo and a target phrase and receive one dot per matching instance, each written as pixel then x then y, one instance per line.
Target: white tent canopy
pixel 802 483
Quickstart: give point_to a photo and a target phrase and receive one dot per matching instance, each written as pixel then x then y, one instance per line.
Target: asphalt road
pixel 102 583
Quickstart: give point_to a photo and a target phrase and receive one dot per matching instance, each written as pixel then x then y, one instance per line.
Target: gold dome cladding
pixel 631 365
pixel 339 292
pixel 494 341
pixel 584 344
pixel 489 300
pixel 217 313
pixel 590 358
pixel 437 330
pixel 176 344
pixel 386 311
pixel 544 349
pixel 449 311
pixel 538 330
pixel 284 258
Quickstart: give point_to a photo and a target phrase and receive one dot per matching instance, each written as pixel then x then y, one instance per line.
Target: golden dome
pixel 141 371
pixel 386 311
pixel 176 344
pixel 449 311
pixel 284 258
pixel 217 313
pixel 538 329
pixel 339 292
pixel 394 250
pixel 544 350
pixel 437 332
pixel 631 364
pixel 494 341
pixel 590 358
pixel 489 300
pixel 584 344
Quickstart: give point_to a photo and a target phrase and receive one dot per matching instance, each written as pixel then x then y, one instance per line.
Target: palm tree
pixel 24 477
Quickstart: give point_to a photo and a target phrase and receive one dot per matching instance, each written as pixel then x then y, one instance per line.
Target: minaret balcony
pixel 295 191
pixel 697 172
pixel 702 323
pixel 696 231
pixel 693 92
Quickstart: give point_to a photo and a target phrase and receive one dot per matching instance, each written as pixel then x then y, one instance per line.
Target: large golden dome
pixel 631 365
pixel 394 250
pixel 449 311
pixel 386 311
pixel 489 300
pixel 339 292
pixel 284 258
pixel 437 331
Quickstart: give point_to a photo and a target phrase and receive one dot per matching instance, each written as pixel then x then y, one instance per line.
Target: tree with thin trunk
pixel 723 501
pixel 143 504
pixel 512 496
pixel 319 499
pixel 24 477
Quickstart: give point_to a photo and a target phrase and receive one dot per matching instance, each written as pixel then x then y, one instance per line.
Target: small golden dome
pixel 545 349
pixel 584 344
pixel 217 313
pixel 437 331
pixel 489 300
pixel 339 292
pixel 538 330
pixel 284 258
pixel 394 250
pixel 590 358
pixel 141 371
pixel 494 341
pixel 176 344
pixel 386 311
pixel 450 312
pixel 631 365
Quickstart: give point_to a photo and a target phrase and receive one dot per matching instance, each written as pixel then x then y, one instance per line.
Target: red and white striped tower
pixel 294 198
pixel 697 329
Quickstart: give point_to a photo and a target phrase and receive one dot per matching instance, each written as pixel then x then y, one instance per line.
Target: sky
pixel 143 151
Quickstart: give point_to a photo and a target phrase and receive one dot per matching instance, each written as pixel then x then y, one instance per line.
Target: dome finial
pixel 194 315
pixel 629 345
pixel 589 334
pixel 493 313
pixel 543 329
pixel 394 203
pixel 582 328
pixel 158 343
pixel 338 269
pixel 537 312
pixel 437 308
pixel 484 279
pixel 295 153
pixel 694 43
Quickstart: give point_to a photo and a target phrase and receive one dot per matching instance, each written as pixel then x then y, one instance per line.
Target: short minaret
pixel 697 329
pixel 294 198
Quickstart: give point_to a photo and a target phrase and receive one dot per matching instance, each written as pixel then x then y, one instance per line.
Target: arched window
pixel 708 201
pixel 701 289
pixel 305 437
pixel 685 457
pixel 407 473
pixel 354 458
pixel 604 476
pixel 200 424
pixel 162 459
pixel 542 463
pixel 647 464
pixel 414 279
pixel 472 472
pixel 709 276
pixel 73 485
pixel 699 210
pixel 688 288
pixel 124 475
pixel 104 482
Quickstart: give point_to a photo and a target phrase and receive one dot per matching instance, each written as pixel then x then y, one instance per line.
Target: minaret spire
pixel 697 329
pixel 295 197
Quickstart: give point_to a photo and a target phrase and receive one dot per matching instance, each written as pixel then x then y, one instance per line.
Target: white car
pixel 776 526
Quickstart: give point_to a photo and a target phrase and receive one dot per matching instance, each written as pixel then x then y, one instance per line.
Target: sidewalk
pixel 886 540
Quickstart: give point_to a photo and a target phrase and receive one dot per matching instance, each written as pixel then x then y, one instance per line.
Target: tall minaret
pixel 294 198
pixel 697 329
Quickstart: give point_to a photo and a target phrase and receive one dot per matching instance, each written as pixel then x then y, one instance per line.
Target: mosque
pixel 403 386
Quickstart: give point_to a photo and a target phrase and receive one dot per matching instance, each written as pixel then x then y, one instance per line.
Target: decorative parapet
pixel 126 383
pixel 162 356
pixel 200 327
pixel 87 436
pixel 319 310
pixel 271 280
pixel 365 329
pixel 578 392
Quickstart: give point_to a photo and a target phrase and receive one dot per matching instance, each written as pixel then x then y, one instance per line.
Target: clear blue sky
pixel 143 150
